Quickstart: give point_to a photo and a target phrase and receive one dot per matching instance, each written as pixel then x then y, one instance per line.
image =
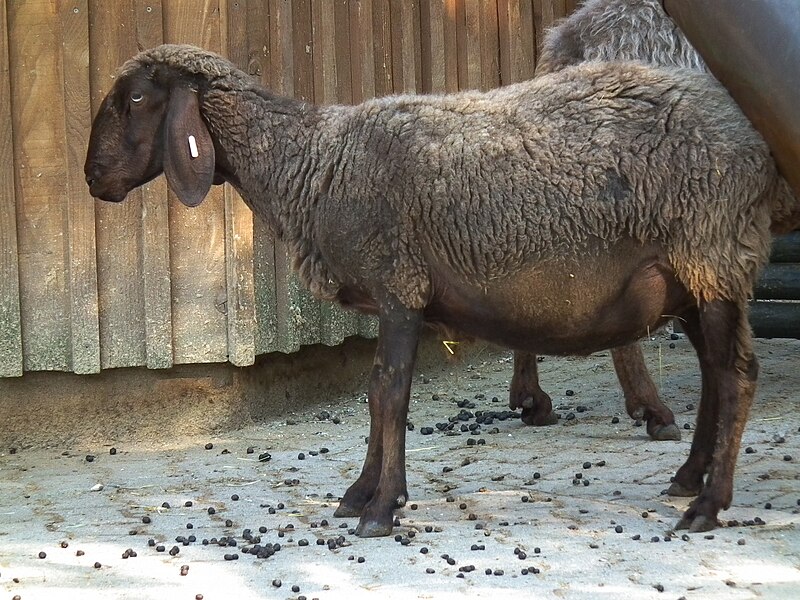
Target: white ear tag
pixel 193 147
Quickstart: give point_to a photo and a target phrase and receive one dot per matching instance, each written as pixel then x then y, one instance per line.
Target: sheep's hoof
pixel 368 528
pixel 676 489
pixel 344 510
pixel 697 524
pixel 663 433
pixel 532 419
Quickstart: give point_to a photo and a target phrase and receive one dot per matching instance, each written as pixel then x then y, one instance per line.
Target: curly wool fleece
pixel 484 184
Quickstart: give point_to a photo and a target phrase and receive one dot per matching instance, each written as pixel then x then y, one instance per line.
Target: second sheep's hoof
pixel 698 524
pixel 663 433
pixel 532 419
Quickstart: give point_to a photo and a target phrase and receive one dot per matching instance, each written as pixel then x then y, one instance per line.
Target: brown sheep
pixel 564 215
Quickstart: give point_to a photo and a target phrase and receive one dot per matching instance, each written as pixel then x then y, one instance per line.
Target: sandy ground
pixel 507 505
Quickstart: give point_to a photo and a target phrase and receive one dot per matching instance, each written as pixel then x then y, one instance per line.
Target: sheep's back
pixel 489 183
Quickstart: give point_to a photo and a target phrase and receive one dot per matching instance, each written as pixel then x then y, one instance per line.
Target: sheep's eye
pixel 136 97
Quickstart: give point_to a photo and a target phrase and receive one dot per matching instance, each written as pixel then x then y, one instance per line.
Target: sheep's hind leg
pixel 537 408
pixel 688 481
pixel 729 371
pixel 641 395
pixel 382 485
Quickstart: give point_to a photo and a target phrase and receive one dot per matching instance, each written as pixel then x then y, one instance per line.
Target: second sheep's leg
pixel 382 485
pixel 641 395
pixel 537 408
pixel 731 369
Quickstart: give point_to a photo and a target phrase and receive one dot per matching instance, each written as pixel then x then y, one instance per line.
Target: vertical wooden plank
pixel 240 297
pixel 155 224
pixel 405 46
pixel 81 249
pixel 432 50
pixel 305 312
pixel 119 234
pixel 517 45
pixel 439 52
pixel 490 46
pixel 472 20
pixel 199 280
pixel 292 321
pixel 461 44
pixel 10 320
pixel 363 85
pixel 262 28
pixel 281 81
pixel 382 35
pixel 325 64
pixel 505 9
pixel 332 84
pixel 37 122
pixel 362 47
pixel 301 36
pixel 344 79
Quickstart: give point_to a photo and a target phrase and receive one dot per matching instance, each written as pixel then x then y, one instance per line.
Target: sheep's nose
pixel 89 180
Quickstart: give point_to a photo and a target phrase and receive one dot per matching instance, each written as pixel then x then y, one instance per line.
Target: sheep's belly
pixel 576 306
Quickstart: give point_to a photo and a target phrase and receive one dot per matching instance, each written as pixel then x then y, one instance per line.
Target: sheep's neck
pixel 264 148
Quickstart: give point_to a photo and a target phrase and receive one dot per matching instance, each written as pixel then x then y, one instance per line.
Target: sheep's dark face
pixel 126 147
pixel 150 123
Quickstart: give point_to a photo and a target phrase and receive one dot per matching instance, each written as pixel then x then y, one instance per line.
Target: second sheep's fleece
pixel 563 215
pixel 609 30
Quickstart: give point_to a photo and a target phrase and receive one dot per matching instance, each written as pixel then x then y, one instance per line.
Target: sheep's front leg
pixel 381 487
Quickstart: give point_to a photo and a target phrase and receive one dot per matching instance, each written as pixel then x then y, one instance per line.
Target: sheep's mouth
pixel 115 191
pixel 106 194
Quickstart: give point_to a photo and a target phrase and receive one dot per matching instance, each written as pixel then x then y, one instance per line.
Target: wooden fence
pixel 86 285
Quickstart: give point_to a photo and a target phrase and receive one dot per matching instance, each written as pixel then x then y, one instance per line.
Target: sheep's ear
pixel 189 152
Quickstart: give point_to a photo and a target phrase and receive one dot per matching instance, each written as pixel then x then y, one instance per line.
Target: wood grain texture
pixel 517 50
pixel 197 235
pixel 362 45
pixel 120 237
pixel 155 254
pixel 406 51
pixel 10 320
pixel 88 285
pixel 36 73
pixel 324 45
pixel 473 15
pixel 80 222
pixel 382 56
pixel 240 296
pixel 490 46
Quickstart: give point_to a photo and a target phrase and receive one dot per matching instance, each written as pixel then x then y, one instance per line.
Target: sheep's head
pixel 150 123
